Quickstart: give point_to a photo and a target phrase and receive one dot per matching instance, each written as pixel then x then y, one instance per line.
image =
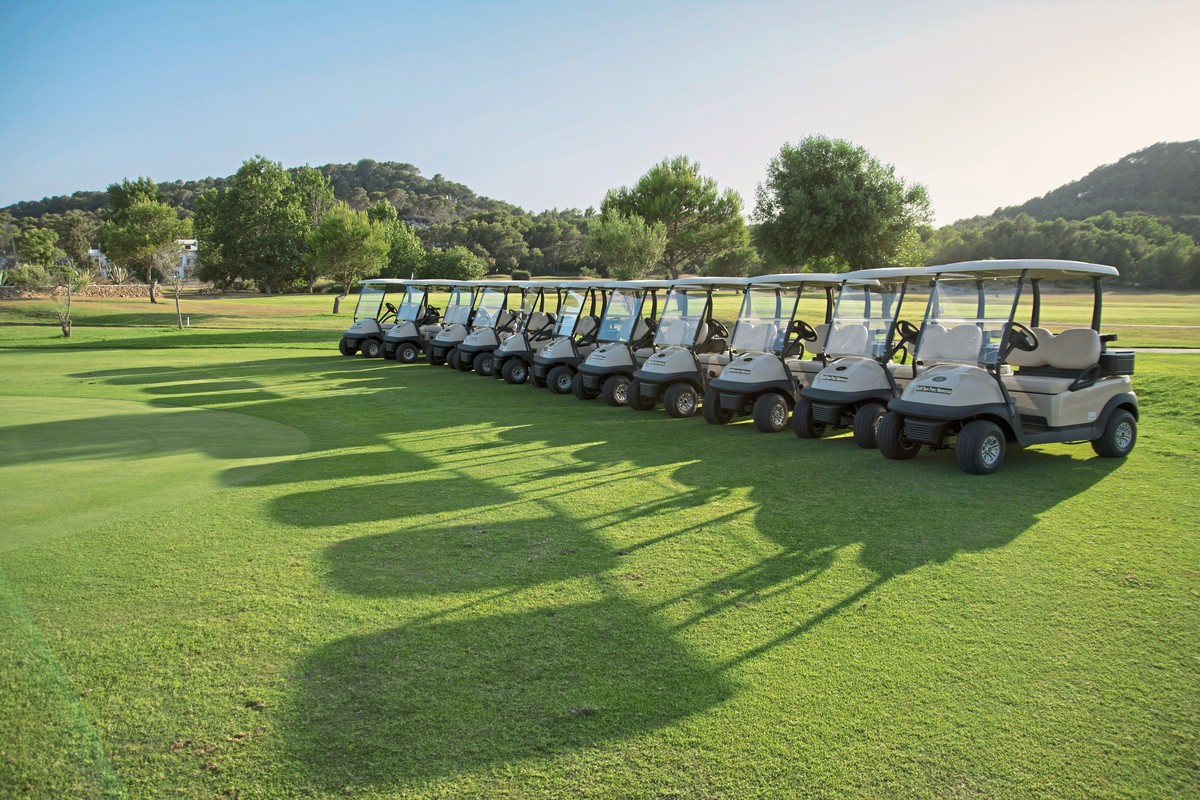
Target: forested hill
pixel 418 199
pixel 1162 181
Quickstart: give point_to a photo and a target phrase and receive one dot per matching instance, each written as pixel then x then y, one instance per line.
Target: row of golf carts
pixel 834 351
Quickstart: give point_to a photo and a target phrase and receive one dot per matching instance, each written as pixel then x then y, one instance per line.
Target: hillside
pixel 1162 181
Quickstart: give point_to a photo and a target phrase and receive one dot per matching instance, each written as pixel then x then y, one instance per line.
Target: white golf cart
pixel 373 317
pixel 456 322
pixel 865 337
pixel 497 316
pixel 691 347
pixel 417 322
pixel 575 334
pixel 1067 386
pixel 625 339
pixel 768 345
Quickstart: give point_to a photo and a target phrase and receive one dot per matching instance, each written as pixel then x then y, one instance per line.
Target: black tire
pixel 483 364
pixel 711 408
pixel 514 371
pixel 1119 437
pixel 634 399
pixel 581 391
pixel 372 348
pixel 980 447
pixel 770 413
pixel 616 390
pixel 539 383
pixel 346 349
pixel 866 423
pixel 680 401
pixel 560 379
pixel 406 353
pixel 890 438
pixel 803 424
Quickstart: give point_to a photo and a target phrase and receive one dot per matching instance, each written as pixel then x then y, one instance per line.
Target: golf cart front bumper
pixel 739 396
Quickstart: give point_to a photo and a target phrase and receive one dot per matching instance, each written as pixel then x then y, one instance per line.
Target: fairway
pixel 236 564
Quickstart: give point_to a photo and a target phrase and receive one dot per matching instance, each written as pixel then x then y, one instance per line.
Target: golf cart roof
pixel 588 283
pixel 885 273
pixel 638 284
pixel 717 282
pixel 436 282
pixel 495 284
pixel 797 278
pixel 1037 268
pixel 384 282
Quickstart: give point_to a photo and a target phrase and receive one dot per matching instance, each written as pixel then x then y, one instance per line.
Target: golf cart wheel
pixel 803 424
pixel 980 447
pixel 1119 437
pixel 890 438
pixel 346 349
pixel 539 383
pixel 560 379
pixel 711 408
pixel 515 371
pixel 483 364
pixel 680 401
pixel 581 391
pixel 866 423
pixel 634 399
pixel 372 348
pixel 616 390
pixel 770 413
pixel 433 358
pixel 406 353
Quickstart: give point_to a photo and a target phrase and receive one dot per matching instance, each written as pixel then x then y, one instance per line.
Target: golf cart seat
pixel 538 322
pixel 505 319
pixel 1035 357
pixel 586 328
pixel 960 343
pixel 762 338
pixel 1071 360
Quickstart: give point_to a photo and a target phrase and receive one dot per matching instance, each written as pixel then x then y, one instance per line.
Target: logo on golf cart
pixel 939 378
pixel 934 389
pixel 836 378
pixel 738 370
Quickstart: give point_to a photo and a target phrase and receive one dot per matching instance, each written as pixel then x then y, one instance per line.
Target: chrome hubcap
pixel 779 415
pixel 620 393
pixel 990 450
pixel 687 402
pixel 1124 435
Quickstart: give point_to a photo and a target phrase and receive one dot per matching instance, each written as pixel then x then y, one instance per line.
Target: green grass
pixel 285 573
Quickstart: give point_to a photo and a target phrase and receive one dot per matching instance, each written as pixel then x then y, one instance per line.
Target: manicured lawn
pixel 237 565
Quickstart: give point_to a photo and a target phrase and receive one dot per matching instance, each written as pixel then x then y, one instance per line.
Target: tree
pixel 830 204
pixel 700 223
pixel 736 263
pixel 347 245
pixel 255 229
pixel 406 256
pixel 453 263
pixel 627 245
pixel 141 237
pixel 76 232
pixel 312 192
pixel 39 246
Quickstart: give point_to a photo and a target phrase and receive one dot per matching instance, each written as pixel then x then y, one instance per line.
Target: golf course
pixel 234 563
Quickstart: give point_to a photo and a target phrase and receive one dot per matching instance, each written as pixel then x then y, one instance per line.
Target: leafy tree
pixel 736 263
pixel 141 237
pixel 76 231
pixel 453 263
pixel 828 203
pixel 347 245
pixel 700 223
pixel 39 246
pixel 406 256
pixel 627 245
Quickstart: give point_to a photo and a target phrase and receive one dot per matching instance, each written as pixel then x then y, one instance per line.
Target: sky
pixel 551 104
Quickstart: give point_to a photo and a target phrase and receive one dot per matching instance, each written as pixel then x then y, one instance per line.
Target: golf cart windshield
pixel 965 319
pixel 762 322
pixel 491 303
pixel 624 308
pixel 413 305
pixel 370 300
pixel 862 319
pixel 569 313
pixel 458 307
pixel 681 319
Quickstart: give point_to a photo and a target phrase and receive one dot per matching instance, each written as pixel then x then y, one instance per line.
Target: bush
pixel 521 275
pixel 30 277
pixel 588 272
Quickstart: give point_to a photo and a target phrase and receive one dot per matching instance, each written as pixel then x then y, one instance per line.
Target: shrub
pixel 30 277
pixel 520 275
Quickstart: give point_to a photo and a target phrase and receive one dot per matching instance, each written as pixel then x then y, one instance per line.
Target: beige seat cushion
pixel 850 339
pixel 1035 357
pixel 1076 348
pixel 960 343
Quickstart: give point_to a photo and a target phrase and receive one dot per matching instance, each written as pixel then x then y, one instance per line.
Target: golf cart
pixel 497 314
pixel 768 346
pixel 575 334
pixel 691 347
pixel 373 316
pixel 535 331
pixel 416 323
pixel 863 340
pixel 625 337
pixel 1067 387
pixel 456 321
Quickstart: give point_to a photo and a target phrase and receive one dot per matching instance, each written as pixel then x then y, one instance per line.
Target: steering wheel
pixel 908 332
pixel 390 307
pixel 1021 337
pixel 719 328
pixel 803 330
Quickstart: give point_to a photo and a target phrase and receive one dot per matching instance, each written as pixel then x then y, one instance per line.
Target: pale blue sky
pixel 550 104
